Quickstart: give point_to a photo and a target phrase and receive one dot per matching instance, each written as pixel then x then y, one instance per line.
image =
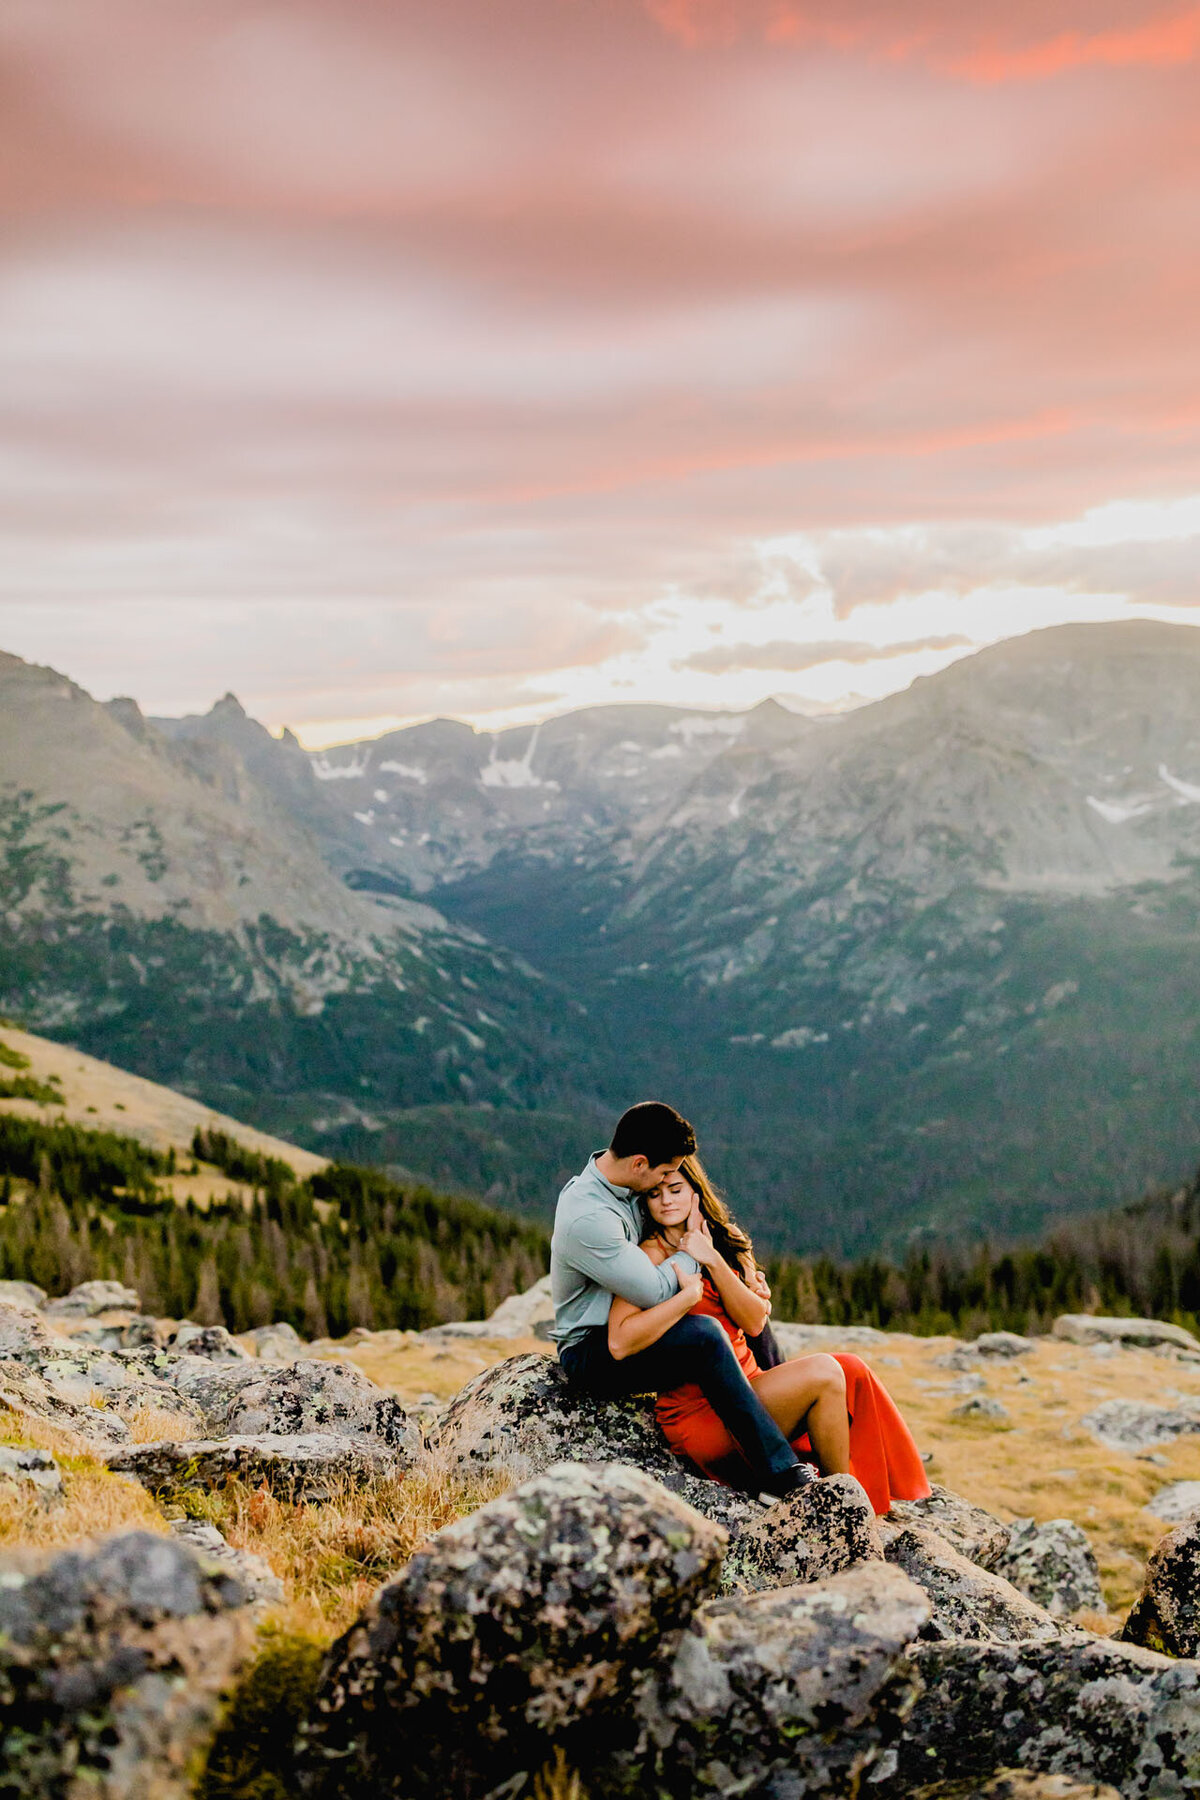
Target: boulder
pixel 525 1415
pixel 1002 1344
pixel 27 1395
pixel 786 1694
pixel 967 1528
pixel 826 1527
pixel 1166 1614
pixel 22 1293
pixel 1133 1425
pixel 316 1466
pixel 246 1399
pixel 261 1585
pixel 981 1406
pixel 1018 1784
pixel 280 1343
pixel 526 1315
pixel 1147 1334
pixel 31 1474
pixel 212 1342
pixel 967 1601
pixel 92 1297
pixel 802 1340
pixel 84 1373
pixel 1085 1707
pixel 115 1332
pixel 1054 1564
pixel 510 1628
pixel 1174 1504
pixel 113 1662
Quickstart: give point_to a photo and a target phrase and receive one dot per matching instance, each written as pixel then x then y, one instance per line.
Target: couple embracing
pixel 656 1291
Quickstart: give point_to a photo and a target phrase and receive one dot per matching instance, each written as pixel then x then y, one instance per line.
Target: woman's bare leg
pixel 809 1394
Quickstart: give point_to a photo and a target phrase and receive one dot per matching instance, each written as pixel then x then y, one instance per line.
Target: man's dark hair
pixel 654 1131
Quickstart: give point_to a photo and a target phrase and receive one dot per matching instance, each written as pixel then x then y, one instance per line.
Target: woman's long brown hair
pixel 732 1242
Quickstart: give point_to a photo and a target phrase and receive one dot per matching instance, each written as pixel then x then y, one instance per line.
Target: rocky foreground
pixel 656 1632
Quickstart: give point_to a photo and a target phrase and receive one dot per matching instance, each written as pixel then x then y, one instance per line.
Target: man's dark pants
pixel 693 1350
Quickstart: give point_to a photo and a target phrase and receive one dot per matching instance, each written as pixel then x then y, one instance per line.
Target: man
pixel 595 1254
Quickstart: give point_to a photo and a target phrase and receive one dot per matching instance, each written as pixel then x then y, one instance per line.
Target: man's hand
pixel 692 1288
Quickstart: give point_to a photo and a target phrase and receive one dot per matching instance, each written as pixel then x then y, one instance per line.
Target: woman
pixel 832 1408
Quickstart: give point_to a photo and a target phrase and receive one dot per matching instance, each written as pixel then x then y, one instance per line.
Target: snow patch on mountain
pixel 407 771
pixel 1116 814
pixel 1185 789
pixel 326 770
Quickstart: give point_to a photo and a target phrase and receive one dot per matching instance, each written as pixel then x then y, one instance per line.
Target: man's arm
pixel 599 1249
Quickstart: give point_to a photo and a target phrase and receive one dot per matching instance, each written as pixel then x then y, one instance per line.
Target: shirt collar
pixel 619 1193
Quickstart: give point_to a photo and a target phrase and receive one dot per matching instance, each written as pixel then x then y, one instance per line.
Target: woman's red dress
pixel 883 1456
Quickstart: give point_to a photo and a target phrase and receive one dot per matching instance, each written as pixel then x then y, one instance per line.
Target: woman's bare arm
pixel 744 1306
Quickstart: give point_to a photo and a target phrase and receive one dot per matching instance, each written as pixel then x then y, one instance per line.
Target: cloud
pixel 797 657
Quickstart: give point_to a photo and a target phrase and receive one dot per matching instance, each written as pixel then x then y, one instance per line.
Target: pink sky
pixel 381 359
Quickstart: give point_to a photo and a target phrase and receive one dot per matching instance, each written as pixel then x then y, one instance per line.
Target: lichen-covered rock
pixel 1084 1706
pixel 112 1667
pixel 967 1601
pixel 802 1340
pixel 1054 1564
pixel 212 1342
pixel 80 1372
pixel 1003 1344
pixel 508 1630
pixel 92 1297
pixel 1166 1614
pixel 280 1343
pixel 24 1394
pixel 967 1528
pixel 1018 1784
pixel 30 1473
pixel 22 1293
pixel 525 1415
pixel 261 1585
pixel 316 1466
pixel 981 1406
pixel 246 1399
pixel 1133 1425
pixel 1146 1334
pixel 824 1528
pixel 1175 1503
pixel 783 1694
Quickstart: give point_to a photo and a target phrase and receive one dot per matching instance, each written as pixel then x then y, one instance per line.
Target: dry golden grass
pixel 331 1556
pixel 155 1425
pixel 95 1501
pixel 411 1365
pixel 557 1781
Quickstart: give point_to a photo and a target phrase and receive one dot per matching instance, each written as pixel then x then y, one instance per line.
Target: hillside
pixel 926 969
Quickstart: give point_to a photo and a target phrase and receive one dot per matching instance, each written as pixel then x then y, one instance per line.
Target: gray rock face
pixel 1083 1707
pixel 981 1406
pixel 280 1343
pixel 77 1371
pixel 827 1527
pixel 1134 1425
pixel 524 1414
pixel 1148 1334
pixel 968 1529
pixel 1055 1565
pixel 510 1627
pixel 966 1601
pixel 1002 1344
pixel 212 1342
pixel 802 1340
pixel 1166 1614
pixel 315 1466
pixel 27 1395
pixel 112 1666
pixel 22 1293
pixel 295 1399
pixel 781 1694
pixel 526 1315
pixel 31 1472
pixel 1174 1504
pixel 92 1297
pixel 259 1582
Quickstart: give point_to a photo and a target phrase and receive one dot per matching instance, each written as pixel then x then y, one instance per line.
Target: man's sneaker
pixel 790 1482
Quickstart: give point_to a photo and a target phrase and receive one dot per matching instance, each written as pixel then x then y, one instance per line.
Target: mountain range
pixel 925 969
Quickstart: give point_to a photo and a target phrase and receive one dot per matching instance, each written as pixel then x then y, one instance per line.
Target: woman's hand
pixel 699 1246
pixel 758 1284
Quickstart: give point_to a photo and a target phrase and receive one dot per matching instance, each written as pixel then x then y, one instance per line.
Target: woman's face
pixel 672 1201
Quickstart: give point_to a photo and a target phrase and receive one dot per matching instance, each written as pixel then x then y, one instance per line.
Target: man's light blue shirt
pixel 594 1254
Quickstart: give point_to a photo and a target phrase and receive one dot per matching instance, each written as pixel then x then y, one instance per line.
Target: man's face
pixel 642 1178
